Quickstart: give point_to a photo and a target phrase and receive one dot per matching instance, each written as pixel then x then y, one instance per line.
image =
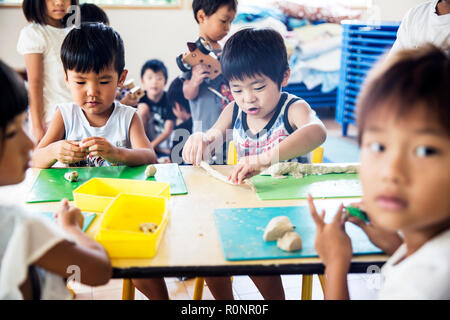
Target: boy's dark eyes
pixel 11 134
pixel 260 88
pixel 376 147
pixel 424 151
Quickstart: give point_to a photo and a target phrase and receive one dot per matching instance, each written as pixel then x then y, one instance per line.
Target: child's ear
pixel 201 16
pixel 122 77
pixel 286 76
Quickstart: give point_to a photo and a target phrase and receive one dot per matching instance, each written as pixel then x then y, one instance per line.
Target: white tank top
pixel 116 129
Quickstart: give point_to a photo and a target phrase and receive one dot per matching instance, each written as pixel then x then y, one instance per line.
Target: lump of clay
pixel 290 241
pixel 150 171
pixel 277 227
pixel 148 227
pixel 71 176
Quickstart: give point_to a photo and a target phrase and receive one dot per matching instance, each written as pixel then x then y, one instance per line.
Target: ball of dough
pixel 277 227
pixel 148 227
pixel 150 171
pixel 71 176
pixel 290 241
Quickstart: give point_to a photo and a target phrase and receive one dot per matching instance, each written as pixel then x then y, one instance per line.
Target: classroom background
pixel 162 33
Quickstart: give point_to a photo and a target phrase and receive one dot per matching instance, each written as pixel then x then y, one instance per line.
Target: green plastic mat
pixel 51 185
pixel 335 185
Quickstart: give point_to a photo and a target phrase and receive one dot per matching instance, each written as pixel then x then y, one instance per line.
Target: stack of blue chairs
pixel 362 44
pixel 315 97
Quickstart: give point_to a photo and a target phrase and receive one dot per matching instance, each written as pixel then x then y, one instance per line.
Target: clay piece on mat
pixel 299 170
pixel 290 241
pixel 277 227
pixel 71 176
pixel 148 227
pixel 150 171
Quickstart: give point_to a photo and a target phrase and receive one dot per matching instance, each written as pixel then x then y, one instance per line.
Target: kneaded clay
pixel 150 171
pixel 277 227
pixel 299 170
pixel 148 227
pixel 71 176
pixel 290 241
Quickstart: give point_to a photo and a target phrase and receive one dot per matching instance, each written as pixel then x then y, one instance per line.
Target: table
pixel 191 245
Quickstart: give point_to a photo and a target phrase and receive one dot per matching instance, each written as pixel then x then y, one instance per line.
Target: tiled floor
pixel 360 285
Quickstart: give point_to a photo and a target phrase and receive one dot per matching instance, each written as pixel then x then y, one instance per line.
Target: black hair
pixel 155 65
pixel 13 98
pixel 211 6
pixel 407 80
pixel 93 13
pixel 175 94
pixel 254 51
pixel 93 47
pixel 36 10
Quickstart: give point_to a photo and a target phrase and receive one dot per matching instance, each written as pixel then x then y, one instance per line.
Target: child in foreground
pixel 404 134
pixel 267 125
pixel 94 130
pixel 35 253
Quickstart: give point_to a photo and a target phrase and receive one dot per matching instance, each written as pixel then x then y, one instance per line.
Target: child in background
pixel 40 44
pixel 428 22
pixel 154 108
pixel 404 133
pixel 92 13
pixel 268 125
pixel 183 124
pixel 35 254
pixel 214 19
pixel 94 130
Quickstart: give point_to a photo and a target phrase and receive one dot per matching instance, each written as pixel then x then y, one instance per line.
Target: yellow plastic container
pixel 97 193
pixel 119 231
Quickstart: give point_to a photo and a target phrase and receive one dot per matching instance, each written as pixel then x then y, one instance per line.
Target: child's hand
pixel 194 148
pixel 99 146
pixel 130 100
pixel 68 216
pixel 246 168
pixel 385 240
pixel 332 243
pixel 199 73
pixel 68 151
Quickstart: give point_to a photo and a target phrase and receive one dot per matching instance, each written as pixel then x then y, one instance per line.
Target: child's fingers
pixel 312 209
pixel 338 216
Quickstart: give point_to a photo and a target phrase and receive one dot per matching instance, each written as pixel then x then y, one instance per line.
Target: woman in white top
pixel 427 22
pixel 40 43
pixel 35 253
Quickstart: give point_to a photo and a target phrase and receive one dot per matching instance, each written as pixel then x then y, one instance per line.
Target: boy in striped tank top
pixel 266 124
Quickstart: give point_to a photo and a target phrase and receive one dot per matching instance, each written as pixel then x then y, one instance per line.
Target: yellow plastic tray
pixel 97 193
pixel 119 229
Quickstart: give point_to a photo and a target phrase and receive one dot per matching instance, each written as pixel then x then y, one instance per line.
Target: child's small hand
pixel 68 151
pixel 194 148
pixel 130 100
pixel 68 216
pixel 385 240
pixel 332 242
pixel 246 168
pixel 99 146
pixel 199 73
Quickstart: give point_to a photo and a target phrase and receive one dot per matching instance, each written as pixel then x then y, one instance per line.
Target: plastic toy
pixel 135 91
pixel 200 52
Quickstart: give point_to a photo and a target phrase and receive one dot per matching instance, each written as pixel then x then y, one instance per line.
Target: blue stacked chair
pixel 315 97
pixel 362 44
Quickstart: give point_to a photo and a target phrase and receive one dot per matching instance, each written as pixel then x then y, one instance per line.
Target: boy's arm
pixel 195 146
pixel 142 151
pixel 191 86
pixel 168 128
pixel 53 147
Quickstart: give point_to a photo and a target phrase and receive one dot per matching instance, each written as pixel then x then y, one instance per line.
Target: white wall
pixel 151 33
pixel 157 33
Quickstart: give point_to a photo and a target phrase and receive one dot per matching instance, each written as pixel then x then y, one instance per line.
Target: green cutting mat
pixel 335 185
pixel 51 186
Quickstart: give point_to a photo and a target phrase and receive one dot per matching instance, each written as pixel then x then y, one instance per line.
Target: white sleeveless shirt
pixel 116 130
